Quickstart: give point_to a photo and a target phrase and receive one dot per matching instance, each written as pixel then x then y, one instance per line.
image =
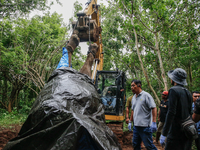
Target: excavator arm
pixel 88 29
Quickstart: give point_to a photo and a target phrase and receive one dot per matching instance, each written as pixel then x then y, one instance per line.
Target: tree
pixel 29 52
pixel 10 8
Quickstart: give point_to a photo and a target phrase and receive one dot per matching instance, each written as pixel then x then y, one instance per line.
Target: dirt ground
pixel 7 134
pixel 127 142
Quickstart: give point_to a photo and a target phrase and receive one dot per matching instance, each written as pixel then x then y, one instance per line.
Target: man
pixel 109 99
pixel 162 114
pixel 195 96
pixel 180 108
pixel 128 107
pixel 143 108
pixel 196 114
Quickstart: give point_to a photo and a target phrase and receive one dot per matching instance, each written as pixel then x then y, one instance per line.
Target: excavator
pixel 111 85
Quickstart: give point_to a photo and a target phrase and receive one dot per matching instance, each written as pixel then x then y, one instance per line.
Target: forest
pixel 145 39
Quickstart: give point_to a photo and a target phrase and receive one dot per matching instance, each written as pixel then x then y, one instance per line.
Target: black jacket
pixel 180 107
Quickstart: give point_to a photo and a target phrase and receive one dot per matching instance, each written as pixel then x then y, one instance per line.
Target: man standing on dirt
pixel 180 108
pixel 143 108
pixel 162 114
pixel 195 96
pixel 128 107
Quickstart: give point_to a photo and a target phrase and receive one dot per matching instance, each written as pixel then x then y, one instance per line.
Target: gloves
pixel 153 127
pixel 162 140
pixel 129 126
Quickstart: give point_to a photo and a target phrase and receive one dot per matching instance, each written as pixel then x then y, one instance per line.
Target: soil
pixel 125 138
pixel 7 134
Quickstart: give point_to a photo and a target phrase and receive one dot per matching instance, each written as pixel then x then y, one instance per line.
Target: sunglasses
pixel 164 94
pixel 196 96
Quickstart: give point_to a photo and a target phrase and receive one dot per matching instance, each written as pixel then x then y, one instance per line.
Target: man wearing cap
pixel 162 114
pixel 180 108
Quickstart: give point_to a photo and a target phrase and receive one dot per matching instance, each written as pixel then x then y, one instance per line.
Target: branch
pixel 42 83
pixel 52 55
pixel 149 46
pixel 176 15
pixel 127 9
pixel 29 87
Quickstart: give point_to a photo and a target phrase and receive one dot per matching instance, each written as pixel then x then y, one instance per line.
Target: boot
pixel 157 136
pixel 73 43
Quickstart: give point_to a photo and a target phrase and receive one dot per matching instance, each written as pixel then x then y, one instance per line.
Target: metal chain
pixel 89 33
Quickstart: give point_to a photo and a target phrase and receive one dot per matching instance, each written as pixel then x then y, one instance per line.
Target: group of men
pixel 176 106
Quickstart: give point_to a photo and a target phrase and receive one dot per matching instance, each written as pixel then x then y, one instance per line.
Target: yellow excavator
pixel 111 85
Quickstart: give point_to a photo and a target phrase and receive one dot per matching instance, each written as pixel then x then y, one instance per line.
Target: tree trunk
pixel 9 108
pixel 142 66
pixel 161 64
pixel 5 88
pixel 13 96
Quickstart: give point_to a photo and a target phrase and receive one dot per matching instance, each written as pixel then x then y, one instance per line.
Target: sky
pixel 66 10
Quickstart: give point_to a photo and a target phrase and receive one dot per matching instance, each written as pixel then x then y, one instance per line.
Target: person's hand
pixel 153 127
pixel 129 126
pixel 127 120
pixel 158 119
pixel 162 140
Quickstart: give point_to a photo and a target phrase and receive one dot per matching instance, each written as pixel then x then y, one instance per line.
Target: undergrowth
pixel 15 117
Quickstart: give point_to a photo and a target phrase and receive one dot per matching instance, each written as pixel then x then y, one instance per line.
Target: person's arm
pixel 159 115
pixel 154 113
pixel 131 118
pixel 195 117
pixel 127 114
pixel 171 112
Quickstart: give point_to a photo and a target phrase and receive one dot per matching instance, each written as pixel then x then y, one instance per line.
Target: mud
pixel 8 133
pixel 125 138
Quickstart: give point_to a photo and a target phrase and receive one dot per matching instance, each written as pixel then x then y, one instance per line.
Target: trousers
pixel 143 134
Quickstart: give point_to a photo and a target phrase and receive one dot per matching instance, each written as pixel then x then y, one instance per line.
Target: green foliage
pixel 29 51
pixel 15 117
pixel 175 24
pixel 10 8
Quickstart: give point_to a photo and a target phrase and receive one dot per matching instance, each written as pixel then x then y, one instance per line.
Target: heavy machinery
pixel 111 85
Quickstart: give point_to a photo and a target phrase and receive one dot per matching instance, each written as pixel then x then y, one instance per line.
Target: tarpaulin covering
pixel 67 115
pixel 64 61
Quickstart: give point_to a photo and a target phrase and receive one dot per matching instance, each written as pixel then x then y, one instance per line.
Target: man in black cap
pixel 180 108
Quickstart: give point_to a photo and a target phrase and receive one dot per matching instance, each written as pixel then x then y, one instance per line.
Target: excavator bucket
pixel 86 29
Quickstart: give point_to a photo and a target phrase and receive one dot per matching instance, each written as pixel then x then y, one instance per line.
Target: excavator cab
pixel 111 86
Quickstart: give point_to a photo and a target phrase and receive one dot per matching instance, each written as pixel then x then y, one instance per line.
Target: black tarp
pixel 67 115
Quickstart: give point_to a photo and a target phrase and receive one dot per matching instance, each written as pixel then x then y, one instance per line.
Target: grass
pixel 13 118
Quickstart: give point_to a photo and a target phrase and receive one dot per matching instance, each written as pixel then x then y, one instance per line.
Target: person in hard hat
pixel 162 114
pixel 143 110
pixel 180 108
